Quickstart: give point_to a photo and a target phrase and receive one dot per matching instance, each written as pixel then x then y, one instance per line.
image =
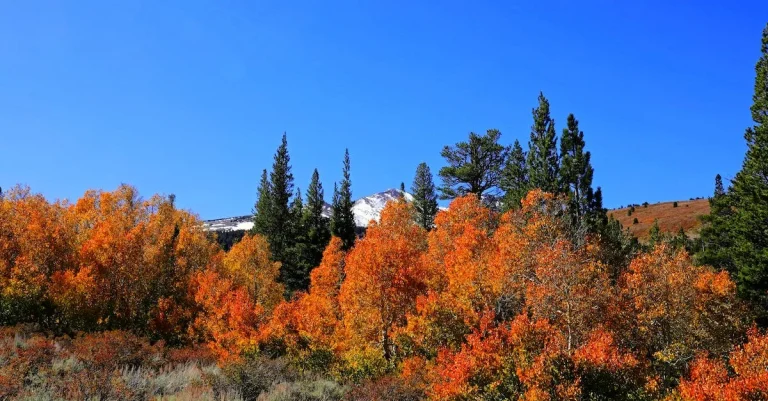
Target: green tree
pixel 542 163
pixel 343 218
pixel 514 178
pixel 261 210
pixel 296 277
pixel 272 215
pixel 318 232
pixel 474 167
pixel 424 197
pixel 576 178
pixel 281 188
pixel 749 195
pixel 715 241
pixel 655 236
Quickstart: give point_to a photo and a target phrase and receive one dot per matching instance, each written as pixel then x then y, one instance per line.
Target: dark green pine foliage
pixel 514 178
pixel 262 209
pixel 474 167
pixel 655 236
pixel 542 163
pixel 297 255
pixel 424 197
pixel 715 241
pixel 317 226
pixel 749 194
pixel 272 215
pixel 343 218
pixel 576 178
pixel 618 247
pixel 281 186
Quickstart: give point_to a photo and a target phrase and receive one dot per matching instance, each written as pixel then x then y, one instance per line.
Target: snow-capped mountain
pixel 365 209
pixel 370 207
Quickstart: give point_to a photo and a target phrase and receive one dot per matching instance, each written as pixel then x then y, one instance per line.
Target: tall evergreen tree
pixel 474 167
pixel 272 215
pixel 514 178
pixel 317 226
pixel 749 197
pixel 715 238
pixel 262 208
pixel 576 177
pixel 296 277
pixel 542 160
pixel 424 197
pixel 343 219
pixel 281 186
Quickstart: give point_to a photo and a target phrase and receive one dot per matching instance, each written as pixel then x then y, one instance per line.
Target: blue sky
pixel 192 97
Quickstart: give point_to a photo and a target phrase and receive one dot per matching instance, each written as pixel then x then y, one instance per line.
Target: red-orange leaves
pixel 326 279
pixel 229 318
pixel 384 275
pixel 601 352
pixel 709 379
pixel 236 298
pixel 569 290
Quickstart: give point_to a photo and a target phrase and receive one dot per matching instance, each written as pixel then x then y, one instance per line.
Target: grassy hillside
pixel 671 218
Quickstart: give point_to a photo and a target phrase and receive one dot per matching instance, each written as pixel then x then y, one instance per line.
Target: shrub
pixel 674 204
pixel 254 376
pixel 316 390
pixel 635 221
pixel 385 389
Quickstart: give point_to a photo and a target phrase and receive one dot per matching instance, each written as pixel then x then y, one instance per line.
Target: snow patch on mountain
pixel 365 209
pixel 370 207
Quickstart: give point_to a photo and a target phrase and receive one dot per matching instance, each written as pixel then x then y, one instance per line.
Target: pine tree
pixel 542 150
pixel 296 277
pixel 343 219
pixel 281 186
pixel 715 241
pixel 262 208
pixel 424 197
pixel 749 198
pixel 318 232
pixel 514 178
pixel 576 177
pixel 474 167
pixel 655 236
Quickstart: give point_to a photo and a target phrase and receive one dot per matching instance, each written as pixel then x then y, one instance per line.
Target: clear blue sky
pixel 191 97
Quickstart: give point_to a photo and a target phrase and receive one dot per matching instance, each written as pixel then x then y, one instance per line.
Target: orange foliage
pixel 569 290
pixel 669 307
pixel 384 275
pixel 710 379
pixel 326 279
pixel 236 298
pixel 308 322
pixel 229 317
pixel 483 306
pixel 248 265
pixel 600 351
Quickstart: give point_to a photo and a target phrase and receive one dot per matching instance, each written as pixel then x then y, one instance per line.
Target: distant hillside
pixel 671 218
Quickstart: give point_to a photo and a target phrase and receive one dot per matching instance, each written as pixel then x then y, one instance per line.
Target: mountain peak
pixel 365 209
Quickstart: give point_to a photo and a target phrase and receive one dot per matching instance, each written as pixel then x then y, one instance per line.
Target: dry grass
pixel 685 215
